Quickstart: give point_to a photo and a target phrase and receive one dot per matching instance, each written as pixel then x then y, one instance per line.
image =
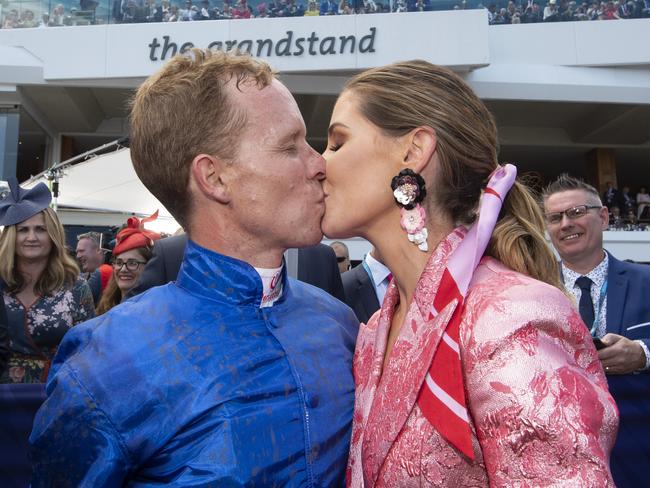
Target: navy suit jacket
pixel 628 299
pixel 316 266
pixel 628 304
pixel 360 293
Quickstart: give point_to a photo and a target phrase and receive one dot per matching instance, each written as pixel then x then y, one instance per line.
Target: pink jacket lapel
pixel 411 356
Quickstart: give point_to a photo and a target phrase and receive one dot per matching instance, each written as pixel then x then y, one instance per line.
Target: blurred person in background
pixel 642 201
pixel 631 219
pixel 612 299
pixel 130 255
pixel 91 256
pixel 312 9
pixel 89 253
pixel 365 286
pixel 627 202
pixel 615 217
pixel 342 255
pixel 42 291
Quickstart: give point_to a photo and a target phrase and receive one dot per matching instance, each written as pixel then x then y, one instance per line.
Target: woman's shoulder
pixel 507 310
pixel 498 289
pixel 493 276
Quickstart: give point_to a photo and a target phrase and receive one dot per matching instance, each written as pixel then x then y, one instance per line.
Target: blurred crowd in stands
pixel 21 13
pixel 627 211
pixel 528 12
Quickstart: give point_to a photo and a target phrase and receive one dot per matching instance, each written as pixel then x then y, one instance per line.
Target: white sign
pixel 297 44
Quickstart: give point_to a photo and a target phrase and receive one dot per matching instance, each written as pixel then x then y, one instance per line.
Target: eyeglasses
pixel 340 259
pixel 131 264
pixel 571 213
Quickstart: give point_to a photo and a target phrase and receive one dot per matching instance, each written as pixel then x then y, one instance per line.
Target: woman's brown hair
pixel 61 270
pixel 402 96
pixel 112 295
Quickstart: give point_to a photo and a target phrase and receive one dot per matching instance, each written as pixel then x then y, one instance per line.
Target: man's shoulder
pixel 632 270
pixel 353 276
pixel 317 299
pixel 143 316
pixel 172 241
pixel 306 291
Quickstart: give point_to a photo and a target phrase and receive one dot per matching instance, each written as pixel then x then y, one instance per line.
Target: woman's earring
pixel 409 190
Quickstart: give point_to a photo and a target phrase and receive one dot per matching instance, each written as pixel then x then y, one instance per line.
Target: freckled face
pixel 279 198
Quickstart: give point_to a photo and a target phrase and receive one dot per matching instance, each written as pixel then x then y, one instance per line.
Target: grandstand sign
pixel 291 44
pixel 122 55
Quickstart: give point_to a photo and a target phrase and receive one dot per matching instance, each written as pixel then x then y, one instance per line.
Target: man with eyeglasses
pixel 614 302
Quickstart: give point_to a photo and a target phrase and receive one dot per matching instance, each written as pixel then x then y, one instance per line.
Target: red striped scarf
pixel 442 397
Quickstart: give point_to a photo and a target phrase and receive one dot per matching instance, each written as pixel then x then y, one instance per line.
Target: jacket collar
pixel 221 278
pixel 397 389
pixel 617 283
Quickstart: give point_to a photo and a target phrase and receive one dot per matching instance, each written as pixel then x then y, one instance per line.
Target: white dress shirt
pixel 379 274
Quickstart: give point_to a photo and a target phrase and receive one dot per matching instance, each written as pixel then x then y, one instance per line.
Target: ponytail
pixel 518 239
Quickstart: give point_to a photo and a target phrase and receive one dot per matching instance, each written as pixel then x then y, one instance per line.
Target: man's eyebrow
pixel 290 137
pixel 334 126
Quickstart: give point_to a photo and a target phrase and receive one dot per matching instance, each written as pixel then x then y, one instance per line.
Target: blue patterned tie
pixel 586 306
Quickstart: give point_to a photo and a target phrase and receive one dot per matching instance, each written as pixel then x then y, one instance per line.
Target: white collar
pixel 378 271
pixel 597 275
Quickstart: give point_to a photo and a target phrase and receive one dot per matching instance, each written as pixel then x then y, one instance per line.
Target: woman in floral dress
pixel 42 291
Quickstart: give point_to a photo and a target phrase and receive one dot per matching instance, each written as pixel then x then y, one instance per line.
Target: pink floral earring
pixel 409 190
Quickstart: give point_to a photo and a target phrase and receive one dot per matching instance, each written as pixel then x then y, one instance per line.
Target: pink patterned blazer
pixel 540 410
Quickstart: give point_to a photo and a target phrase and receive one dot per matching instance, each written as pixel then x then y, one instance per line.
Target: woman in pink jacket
pixel 477 370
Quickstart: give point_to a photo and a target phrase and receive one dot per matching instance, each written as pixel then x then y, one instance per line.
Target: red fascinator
pixel 135 235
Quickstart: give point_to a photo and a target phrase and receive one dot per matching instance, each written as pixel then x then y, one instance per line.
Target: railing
pixel 53 13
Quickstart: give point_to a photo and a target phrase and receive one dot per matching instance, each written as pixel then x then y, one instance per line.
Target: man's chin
pixel 311 240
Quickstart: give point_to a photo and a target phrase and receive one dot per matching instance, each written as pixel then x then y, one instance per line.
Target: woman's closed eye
pixel 334 147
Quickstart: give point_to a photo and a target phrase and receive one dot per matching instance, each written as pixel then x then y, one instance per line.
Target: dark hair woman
pixel 130 255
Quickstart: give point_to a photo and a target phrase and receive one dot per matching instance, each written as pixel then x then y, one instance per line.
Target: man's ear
pixel 420 144
pixel 604 217
pixel 210 177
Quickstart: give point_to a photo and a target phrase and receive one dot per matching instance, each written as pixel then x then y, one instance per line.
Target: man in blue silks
pixel 234 374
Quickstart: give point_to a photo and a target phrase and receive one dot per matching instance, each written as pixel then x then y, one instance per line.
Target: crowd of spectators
pixel 531 11
pixel 142 11
pixel 627 211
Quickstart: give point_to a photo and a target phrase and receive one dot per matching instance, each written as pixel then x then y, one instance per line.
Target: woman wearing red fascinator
pixel 130 254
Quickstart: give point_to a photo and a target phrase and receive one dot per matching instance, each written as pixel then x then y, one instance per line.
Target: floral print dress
pixel 36 331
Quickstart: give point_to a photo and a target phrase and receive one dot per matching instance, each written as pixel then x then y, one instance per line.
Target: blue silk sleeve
pixel 73 442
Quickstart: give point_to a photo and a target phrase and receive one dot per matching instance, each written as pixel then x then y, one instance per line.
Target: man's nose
pixel 316 165
pixel 566 221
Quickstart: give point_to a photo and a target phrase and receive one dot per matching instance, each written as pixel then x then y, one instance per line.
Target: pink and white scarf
pixel 442 397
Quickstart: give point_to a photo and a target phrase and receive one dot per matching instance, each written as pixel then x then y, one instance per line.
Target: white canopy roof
pixel 108 183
